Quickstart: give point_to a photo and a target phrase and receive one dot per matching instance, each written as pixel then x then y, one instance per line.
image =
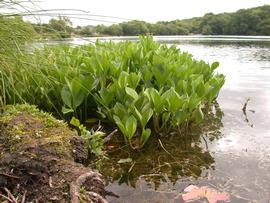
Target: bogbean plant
pixel 142 87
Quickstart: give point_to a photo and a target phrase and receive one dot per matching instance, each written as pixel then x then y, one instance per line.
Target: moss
pixel 26 124
pixel 10 111
pixel 39 149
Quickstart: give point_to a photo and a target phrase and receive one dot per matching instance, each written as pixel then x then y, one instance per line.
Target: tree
pixel 114 30
pixel 87 31
pixel 254 21
pixel 134 27
pixel 62 26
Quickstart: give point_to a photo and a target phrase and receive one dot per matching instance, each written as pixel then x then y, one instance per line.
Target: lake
pixel 231 150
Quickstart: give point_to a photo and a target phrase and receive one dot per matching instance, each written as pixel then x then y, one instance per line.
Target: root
pixel 11 198
pixel 76 185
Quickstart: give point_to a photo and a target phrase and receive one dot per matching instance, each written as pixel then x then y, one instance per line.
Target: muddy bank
pixel 39 158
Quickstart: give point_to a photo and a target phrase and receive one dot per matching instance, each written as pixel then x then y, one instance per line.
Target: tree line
pixel 253 21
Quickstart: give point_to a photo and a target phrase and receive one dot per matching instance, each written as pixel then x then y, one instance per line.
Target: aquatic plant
pixel 93 138
pixel 141 87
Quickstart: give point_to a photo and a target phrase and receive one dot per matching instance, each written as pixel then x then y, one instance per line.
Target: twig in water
pixel 108 137
pixel 76 185
pixel 130 169
pixel 6 198
pixel 10 176
pixel 10 196
pixel 163 147
pixel 24 197
pixel 205 141
pixel 244 109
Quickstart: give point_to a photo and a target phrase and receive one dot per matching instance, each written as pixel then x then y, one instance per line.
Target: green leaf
pixel 77 93
pixel 194 101
pixel 105 96
pixel 120 110
pixel 214 65
pixel 122 80
pixel 198 115
pixel 201 90
pixel 157 100
pixel 175 102
pixel 131 92
pixel 146 116
pixel 78 100
pixel 66 96
pixel 75 122
pixel 120 125
pixel 131 126
pixel 180 117
pixel 66 110
pixel 166 117
pixel 145 135
pixel 88 83
pixel 137 113
pixel 75 86
pixel 134 79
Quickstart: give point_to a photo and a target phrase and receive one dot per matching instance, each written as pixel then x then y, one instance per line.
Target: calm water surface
pixel 230 152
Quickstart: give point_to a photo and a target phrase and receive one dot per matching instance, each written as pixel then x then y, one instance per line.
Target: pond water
pixel 230 151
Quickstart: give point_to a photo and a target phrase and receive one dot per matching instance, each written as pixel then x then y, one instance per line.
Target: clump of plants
pixel 143 87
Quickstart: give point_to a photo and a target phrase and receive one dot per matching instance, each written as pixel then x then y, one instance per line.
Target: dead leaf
pixel 195 193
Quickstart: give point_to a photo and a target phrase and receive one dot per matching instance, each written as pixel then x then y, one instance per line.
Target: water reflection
pixel 164 160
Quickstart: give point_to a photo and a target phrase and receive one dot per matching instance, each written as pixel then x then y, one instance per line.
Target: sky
pixel 146 10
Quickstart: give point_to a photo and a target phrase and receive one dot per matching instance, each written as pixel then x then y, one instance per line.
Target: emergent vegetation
pixel 143 88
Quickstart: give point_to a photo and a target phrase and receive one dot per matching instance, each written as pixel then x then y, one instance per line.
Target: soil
pixel 39 158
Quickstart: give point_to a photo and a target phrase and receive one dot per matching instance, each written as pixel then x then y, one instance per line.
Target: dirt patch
pixel 38 155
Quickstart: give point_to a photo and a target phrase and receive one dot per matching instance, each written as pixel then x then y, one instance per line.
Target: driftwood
pixel 37 160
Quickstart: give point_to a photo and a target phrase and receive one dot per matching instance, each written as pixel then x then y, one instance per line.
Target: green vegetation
pixel 143 88
pixel 55 29
pixel 93 139
pixel 254 21
pixel 14 33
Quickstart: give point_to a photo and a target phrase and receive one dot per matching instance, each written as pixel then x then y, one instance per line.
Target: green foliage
pixel 86 31
pixel 14 34
pixel 56 28
pixel 254 21
pixel 143 88
pixel 93 139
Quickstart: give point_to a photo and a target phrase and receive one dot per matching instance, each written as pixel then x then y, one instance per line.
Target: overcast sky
pixel 148 10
